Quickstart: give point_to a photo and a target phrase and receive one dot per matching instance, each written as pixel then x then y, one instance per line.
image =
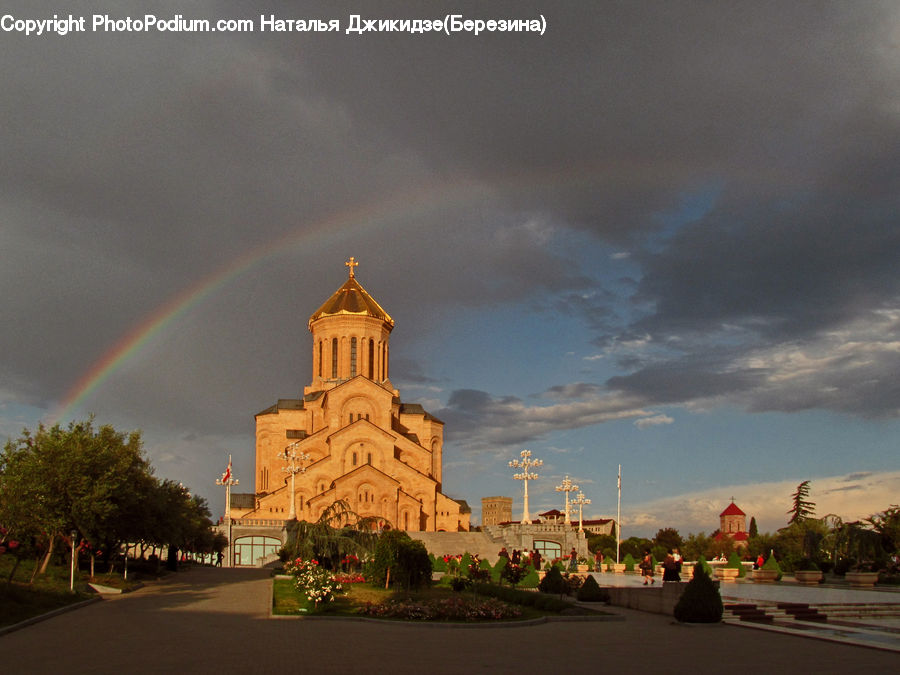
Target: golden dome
pixel 351 298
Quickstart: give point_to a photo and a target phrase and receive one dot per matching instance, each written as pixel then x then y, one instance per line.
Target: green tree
pixel 695 545
pixel 339 531
pixel 400 558
pixel 754 530
pixel 887 525
pixel 668 538
pixel 601 542
pixel 81 478
pixel 802 508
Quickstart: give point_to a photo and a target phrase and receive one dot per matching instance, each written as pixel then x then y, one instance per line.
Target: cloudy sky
pixel 662 234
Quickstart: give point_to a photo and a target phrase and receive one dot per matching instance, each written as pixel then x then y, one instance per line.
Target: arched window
pixel 334 358
pixel 354 459
pixel 371 360
pixel 320 358
pixel 352 357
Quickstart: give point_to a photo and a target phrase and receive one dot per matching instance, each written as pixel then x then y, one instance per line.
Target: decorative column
pixel 228 480
pixel 581 500
pixel 294 459
pixel 526 464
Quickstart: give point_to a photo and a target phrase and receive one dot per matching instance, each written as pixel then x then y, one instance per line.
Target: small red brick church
pixel 733 524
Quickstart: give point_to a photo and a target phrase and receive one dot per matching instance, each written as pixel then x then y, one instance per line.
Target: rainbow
pixel 399 208
pixel 393 210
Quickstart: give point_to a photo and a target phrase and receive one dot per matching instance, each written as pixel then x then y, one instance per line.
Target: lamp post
pixel 581 500
pixel 567 487
pixel 526 464
pixel 74 534
pixel 228 480
pixel 294 459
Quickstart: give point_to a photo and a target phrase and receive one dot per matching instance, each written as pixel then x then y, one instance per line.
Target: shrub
pixel 400 558
pixel 706 566
pixel 531 579
pixel 553 582
pixel 807 565
pixel 772 564
pixel 513 573
pixel 734 562
pixel 438 564
pixel 700 602
pixel 590 591
pixel 629 563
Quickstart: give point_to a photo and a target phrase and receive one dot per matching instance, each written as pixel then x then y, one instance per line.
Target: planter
pixel 861 579
pixel 582 568
pixel 727 574
pixel 618 568
pixel 762 576
pixel 808 577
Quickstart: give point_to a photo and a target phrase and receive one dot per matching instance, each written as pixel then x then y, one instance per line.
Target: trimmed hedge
pixel 700 602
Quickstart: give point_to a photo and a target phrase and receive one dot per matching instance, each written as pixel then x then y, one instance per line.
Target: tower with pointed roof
pixel 357 441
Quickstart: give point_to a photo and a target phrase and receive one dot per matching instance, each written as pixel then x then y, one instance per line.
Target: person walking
pixel 647 568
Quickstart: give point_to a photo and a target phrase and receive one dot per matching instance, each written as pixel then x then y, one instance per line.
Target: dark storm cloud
pixel 478 421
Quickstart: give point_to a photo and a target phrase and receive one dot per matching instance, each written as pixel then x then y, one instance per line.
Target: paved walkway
pixel 209 620
pixel 869 617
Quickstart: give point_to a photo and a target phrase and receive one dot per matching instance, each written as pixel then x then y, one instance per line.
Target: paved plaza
pixel 209 620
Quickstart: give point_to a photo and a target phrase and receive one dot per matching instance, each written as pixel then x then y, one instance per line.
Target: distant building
pixel 733 525
pixel 600 526
pixel 496 510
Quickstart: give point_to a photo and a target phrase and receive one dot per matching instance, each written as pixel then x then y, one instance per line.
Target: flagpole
pixel 228 480
pixel 619 513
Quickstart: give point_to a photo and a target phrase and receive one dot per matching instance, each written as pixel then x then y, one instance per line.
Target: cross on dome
pixel 351 264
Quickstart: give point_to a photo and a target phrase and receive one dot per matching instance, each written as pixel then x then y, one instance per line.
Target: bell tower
pixel 351 335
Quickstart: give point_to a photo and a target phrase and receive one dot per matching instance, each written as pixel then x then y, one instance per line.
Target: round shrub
pixel 772 564
pixel 590 591
pixel 700 602
pixel 553 582
pixel 629 563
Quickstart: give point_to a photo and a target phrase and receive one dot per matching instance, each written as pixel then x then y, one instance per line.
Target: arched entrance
pixel 251 551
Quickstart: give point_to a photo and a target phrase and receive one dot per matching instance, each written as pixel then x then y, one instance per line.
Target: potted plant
pixel 808 573
pixel 863 543
pixel 583 564
pixel 731 570
pixel 769 573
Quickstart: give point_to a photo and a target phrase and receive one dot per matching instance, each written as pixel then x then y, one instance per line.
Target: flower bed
pixel 455 608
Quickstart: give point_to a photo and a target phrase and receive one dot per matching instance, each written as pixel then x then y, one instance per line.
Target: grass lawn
pixel 21 600
pixel 287 601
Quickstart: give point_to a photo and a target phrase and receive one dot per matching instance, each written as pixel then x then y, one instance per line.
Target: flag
pixel 227 475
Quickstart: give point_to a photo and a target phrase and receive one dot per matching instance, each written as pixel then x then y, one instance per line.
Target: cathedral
pixel 350 437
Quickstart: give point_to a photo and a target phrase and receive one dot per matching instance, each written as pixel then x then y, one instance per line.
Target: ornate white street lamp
pixel 294 459
pixel 526 464
pixel 581 500
pixel 567 487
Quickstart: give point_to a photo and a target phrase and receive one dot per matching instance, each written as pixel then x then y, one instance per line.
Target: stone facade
pixel 496 510
pixel 364 445
pixel 733 525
